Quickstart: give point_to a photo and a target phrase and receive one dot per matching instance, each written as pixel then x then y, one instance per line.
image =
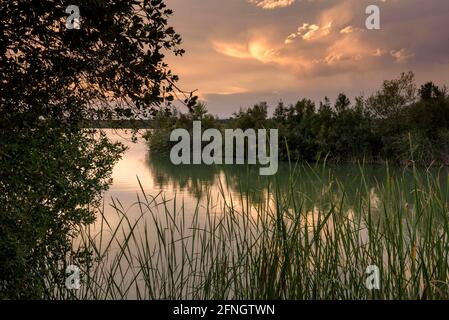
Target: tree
pixel 198 111
pixel 393 97
pixel 280 113
pixel 342 103
pixel 429 91
pixel 51 179
pixel 252 118
pixel 52 79
pixel 112 67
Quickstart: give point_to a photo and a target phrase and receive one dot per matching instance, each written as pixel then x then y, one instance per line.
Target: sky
pixel 241 52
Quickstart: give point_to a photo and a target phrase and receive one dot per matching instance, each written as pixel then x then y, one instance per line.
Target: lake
pixel 193 183
pixel 201 232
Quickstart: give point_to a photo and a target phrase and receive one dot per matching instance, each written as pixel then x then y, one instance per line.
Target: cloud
pixel 309 32
pixel 346 30
pixel 257 49
pixel 272 4
pixel 402 55
pixel 378 52
pixel 227 91
pixel 234 50
pixel 313 47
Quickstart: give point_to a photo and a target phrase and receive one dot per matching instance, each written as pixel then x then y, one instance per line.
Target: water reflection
pixel 313 182
pixel 317 186
pixel 199 180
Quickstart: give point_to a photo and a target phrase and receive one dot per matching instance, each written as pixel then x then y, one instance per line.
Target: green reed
pixel 291 245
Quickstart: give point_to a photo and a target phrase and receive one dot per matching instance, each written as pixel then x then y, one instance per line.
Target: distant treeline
pixel 400 123
pixel 119 124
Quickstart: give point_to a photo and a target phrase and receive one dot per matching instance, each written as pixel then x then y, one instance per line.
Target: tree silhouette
pixel 113 66
pixel 429 91
pixel 52 78
pixel 342 103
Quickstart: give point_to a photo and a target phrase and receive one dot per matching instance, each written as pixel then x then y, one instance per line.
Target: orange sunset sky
pixel 240 52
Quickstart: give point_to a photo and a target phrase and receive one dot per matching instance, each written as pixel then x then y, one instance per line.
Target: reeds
pixel 290 246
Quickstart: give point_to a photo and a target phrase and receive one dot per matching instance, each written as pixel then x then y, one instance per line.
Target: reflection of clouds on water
pixel 315 187
pixel 374 199
pixel 313 204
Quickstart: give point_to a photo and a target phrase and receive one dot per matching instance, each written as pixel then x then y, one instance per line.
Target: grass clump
pixel 289 246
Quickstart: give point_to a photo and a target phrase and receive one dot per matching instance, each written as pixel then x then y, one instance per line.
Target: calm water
pixel 193 184
pixel 203 189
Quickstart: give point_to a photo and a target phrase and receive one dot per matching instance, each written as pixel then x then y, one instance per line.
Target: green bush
pixel 51 181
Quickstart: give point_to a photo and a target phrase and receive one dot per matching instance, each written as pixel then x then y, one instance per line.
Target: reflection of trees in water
pixel 196 179
pixel 199 179
pixel 310 183
pixel 305 187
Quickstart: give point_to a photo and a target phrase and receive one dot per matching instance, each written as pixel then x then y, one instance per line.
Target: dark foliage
pixel 53 79
pixel 398 123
